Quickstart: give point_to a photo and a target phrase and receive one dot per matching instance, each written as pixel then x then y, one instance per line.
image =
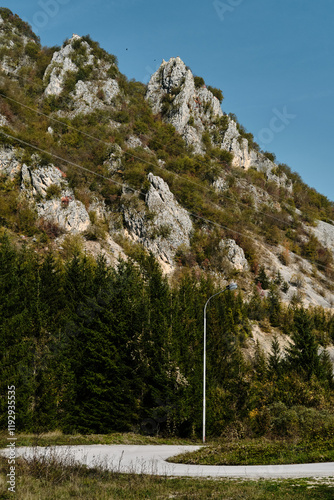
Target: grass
pixel 261 451
pixel 57 438
pixel 61 479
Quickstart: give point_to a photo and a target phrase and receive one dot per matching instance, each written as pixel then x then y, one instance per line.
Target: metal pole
pixel 204 374
pixel 232 286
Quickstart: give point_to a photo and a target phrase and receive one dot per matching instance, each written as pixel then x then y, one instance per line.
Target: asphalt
pixel 150 459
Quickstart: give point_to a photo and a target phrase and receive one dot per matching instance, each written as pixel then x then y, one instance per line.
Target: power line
pixel 76 165
pixel 142 160
pixel 146 161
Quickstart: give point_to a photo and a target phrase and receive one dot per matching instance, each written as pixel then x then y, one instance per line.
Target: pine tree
pixel 303 355
pixel 274 305
pixel 275 359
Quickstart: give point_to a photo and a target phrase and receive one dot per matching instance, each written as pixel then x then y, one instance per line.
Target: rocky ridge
pixel 193 110
pixel 17 43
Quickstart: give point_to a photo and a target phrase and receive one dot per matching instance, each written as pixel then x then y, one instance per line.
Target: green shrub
pixel 217 93
pixel 270 156
pixel 199 81
pixel 167 103
pixel 32 50
pixel 53 191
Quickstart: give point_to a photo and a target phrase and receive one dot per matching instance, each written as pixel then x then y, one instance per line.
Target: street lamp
pixel 231 286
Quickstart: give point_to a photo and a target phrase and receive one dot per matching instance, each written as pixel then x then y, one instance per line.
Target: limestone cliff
pixel 193 110
pixel 164 226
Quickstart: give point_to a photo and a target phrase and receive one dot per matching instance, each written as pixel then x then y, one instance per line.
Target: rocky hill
pixel 123 208
pixel 122 165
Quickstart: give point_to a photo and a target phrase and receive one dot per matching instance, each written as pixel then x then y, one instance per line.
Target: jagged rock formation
pixel 62 209
pixel 171 224
pixel 57 205
pixel 9 163
pixel 17 42
pixel 194 110
pixel 187 108
pixel 37 181
pixel 235 254
pixel 114 162
pixel 93 87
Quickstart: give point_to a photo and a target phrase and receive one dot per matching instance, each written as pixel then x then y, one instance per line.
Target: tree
pixel 303 355
pixel 275 358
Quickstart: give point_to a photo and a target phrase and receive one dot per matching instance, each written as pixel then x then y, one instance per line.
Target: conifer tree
pixel 303 355
pixel 275 361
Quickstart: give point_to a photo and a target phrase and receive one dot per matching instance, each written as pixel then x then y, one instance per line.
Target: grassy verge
pixel 57 438
pixel 261 452
pixel 63 480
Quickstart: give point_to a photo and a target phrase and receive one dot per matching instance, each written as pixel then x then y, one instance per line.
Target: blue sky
pixel 273 60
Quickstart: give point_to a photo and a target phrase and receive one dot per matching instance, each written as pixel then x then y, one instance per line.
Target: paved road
pixel 152 460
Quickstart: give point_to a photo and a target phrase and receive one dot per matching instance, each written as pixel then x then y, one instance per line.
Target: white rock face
pixel 73 217
pixel 38 180
pixel 9 164
pixel 87 95
pixel 174 78
pixel 109 249
pixel 235 254
pixel 3 121
pixel 60 65
pixel 11 36
pixel 325 234
pixel 64 210
pixel 171 225
pixel 172 92
pixel 114 161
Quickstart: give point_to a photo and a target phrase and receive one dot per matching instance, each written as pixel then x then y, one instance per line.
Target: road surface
pixel 151 459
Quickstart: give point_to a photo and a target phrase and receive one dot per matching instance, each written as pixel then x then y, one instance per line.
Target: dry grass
pixel 57 438
pixel 58 477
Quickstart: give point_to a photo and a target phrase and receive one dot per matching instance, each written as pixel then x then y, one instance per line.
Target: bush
pixel 217 93
pixel 270 156
pixel 32 50
pixel 53 191
pixel 199 81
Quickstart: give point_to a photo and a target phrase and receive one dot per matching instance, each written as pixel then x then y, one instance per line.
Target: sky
pixel 273 60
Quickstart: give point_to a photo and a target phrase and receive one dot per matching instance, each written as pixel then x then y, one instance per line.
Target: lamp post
pixel 231 286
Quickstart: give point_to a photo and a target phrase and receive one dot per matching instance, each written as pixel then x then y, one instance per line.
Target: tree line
pixel 92 348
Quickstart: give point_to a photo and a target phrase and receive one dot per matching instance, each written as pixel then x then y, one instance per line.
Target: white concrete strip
pixel 150 459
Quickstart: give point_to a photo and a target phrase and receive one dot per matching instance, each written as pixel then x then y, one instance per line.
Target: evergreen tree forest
pixel 95 349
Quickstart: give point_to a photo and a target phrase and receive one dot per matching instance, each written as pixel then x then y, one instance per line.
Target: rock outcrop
pixel 36 182
pixel 235 254
pixel 193 110
pixel 325 234
pixel 93 88
pixel 10 165
pixel 172 92
pixel 164 226
pixel 62 208
pixel 47 187
pixel 14 39
pixel 71 216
